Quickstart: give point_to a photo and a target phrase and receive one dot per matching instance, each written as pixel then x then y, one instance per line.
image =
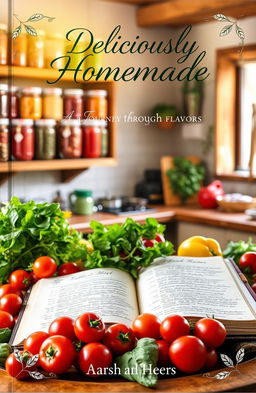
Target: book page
pixel 195 287
pixel 110 293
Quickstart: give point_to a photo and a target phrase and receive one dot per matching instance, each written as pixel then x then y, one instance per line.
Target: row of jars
pixel 45 139
pixel 40 50
pixel 52 103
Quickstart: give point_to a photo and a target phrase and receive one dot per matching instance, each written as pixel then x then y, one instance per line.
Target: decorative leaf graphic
pixel 240 32
pixel 36 375
pixel 221 18
pixel 35 18
pixel 225 30
pixel 16 32
pixel 50 19
pixel 32 361
pixel 18 355
pixel 240 355
pixel 30 30
pixel 226 360
pixel 222 375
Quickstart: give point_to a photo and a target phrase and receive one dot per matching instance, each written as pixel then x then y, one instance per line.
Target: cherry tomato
pixel 160 238
pixel 174 326
pixel 6 320
pixel 57 354
pixel 89 327
pixel 15 318
pixel 63 326
pixel 92 357
pixel 254 287
pixel 68 268
pixel 20 279
pixel 248 260
pixel 44 267
pixel 211 332
pixel 211 359
pixel 119 339
pixel 34 278
pixel 163 353
pixel 148 242
pixel 188 354
pixel 33 343
pixel 11 303
pixel 6 289
pixel 16 369
pixel 146 325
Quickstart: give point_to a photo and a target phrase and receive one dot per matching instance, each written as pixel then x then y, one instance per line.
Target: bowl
pixel 235 205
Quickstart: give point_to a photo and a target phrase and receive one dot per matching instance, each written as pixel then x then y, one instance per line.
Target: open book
pixel 192 287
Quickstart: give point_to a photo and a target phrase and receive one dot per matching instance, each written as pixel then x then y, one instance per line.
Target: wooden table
pixel 245 381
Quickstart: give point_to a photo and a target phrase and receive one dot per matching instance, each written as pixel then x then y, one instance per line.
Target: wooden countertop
pixel 211 217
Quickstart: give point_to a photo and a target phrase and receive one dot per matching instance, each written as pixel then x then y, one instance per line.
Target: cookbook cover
pixel 127 191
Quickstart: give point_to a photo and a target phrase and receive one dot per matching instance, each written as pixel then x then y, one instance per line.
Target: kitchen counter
pixel 164 214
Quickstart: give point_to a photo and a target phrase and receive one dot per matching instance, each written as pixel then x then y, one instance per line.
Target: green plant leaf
pixel 225 30
pixel 30 30
pixel 240 32
pixel 16 32
pixel 35 18
pixel 221 18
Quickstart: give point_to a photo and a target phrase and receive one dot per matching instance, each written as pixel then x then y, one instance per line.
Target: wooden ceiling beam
pixel 183 12
pixel 135 2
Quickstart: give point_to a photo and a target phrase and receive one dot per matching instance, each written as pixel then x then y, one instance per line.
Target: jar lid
pixel 12 89
pixel 70 122
pixel 21 122
pixel 4 122
pixel 52 91
pixel 45 122
pixel 96 93
pixel 93 123
pixel 3 87
pixel 73 92
pixel 83 193
pixel 32 90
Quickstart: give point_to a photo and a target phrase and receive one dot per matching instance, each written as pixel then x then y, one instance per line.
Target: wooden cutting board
pixel 170 199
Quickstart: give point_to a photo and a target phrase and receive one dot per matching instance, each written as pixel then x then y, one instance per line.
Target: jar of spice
pixel 31 103
pixel 54 48
pixel 96 103
pixel 3 44
pixel 104 138
pixel 91 138
pixel 81 202
pixel 3 101
pixel 36 49
pixel 9 107
pixel 22 139
pixel 52 103
pixel 70 138
pixel 4 140
pixel 45 137
pixel 14 102
pixel 19 50
pixel 73 103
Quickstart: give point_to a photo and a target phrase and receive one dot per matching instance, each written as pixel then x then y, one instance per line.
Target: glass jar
pixel 96 103
pixel 31 103
pixel 3 44
pixel 9 107
pixel 22 139
pixel 91 138
pixel 81 202
pixel 45 139
pixel 104 138
pixel 77 58
pixel 70 138
pixel 3 101
pixel 73 103
pixel 54 47
pixel 19 50
pixel 52 103
pixel 14 102
pixel 4 140
pixel 36 49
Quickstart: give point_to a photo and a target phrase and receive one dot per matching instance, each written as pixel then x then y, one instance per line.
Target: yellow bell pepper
pixel 199 246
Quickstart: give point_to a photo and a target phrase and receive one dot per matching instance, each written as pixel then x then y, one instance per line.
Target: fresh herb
pixel 185 177
pixel 121 246
pixel 235 250
pixel 29 230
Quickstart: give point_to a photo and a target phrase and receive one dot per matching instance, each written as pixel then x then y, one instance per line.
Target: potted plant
pixel 167 113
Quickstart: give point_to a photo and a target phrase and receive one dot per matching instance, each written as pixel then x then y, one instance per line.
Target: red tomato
pixel 33 343
pixel 6 320
pixel 174 326
pixel 11 303
pixel 44 267
pixel 254 287
pixel 119 339
pixel 89 327
pixel 160 238
pixel 211 359
pixel 6 289
pixel 163 353
pixel 148 242
pixel 248 260
pixel 34 278
pixel 92 357
pixel 211 332
pixel 188 354
pixel 63 326
pixel 146 325
pixel 16 369
pixel 57 354
pixel 20 279
pixel 68 268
